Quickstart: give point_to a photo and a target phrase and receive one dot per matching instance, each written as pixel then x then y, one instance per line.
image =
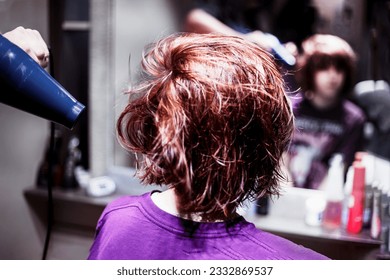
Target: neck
pixel 321 102
pixel 167 200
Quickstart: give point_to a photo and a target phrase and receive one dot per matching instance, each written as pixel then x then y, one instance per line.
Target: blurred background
pixel 97 46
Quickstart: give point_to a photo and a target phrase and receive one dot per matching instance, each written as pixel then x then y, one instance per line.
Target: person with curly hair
pixel 211 120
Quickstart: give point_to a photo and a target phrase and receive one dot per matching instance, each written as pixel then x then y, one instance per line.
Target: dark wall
pixel 70 49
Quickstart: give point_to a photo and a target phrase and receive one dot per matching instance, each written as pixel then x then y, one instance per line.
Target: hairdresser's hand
pixel 259 38
pixel 292 48
pixel 31 42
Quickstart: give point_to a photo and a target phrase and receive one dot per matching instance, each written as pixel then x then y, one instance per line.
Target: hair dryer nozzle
pixel 27 86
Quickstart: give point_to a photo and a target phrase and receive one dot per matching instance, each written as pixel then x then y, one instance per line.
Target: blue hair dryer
pixel 25 85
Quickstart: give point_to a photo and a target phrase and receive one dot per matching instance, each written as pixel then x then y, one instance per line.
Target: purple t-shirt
pixel 319 134
pixel 134 228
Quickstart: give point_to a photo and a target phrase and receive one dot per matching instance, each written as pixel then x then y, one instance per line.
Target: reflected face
pixel 328 82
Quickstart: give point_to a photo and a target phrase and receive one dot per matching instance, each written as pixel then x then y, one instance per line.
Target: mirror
pixel 119 31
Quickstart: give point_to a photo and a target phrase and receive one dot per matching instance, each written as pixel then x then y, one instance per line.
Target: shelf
pixel 335 244
pixel 72 208
pixel 299 228
pixel 76 209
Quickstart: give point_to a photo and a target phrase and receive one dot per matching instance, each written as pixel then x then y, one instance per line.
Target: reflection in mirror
pixel 122 28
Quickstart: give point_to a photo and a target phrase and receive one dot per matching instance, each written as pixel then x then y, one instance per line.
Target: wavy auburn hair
pixel 211 119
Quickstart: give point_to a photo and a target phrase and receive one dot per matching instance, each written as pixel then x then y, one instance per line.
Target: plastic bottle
pixel 72 159
pixel 334 193
pixel 42 179
pixel 356 205
pixel 376 221
pixel 347 195
pixel 366 159
pixel 262 205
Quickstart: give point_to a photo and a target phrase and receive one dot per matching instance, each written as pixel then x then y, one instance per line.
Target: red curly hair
pixel 211 119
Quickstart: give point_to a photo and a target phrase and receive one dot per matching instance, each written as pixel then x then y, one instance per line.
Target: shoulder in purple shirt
pixel 133 227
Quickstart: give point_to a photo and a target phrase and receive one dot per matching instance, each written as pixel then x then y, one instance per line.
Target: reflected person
pixel 326 121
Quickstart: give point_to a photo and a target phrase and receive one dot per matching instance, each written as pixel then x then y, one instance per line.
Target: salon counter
pixel 286 218
pixel 336 244
pixel 74 209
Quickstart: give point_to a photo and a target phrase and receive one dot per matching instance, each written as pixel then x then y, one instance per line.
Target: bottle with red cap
pixel 367 160
pixel 356 203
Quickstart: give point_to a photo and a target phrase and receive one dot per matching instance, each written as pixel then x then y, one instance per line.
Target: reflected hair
pixel 321 51
pixel 211 119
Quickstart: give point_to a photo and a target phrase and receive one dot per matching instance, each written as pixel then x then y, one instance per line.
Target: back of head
pixel 211 119
pixel 321 51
